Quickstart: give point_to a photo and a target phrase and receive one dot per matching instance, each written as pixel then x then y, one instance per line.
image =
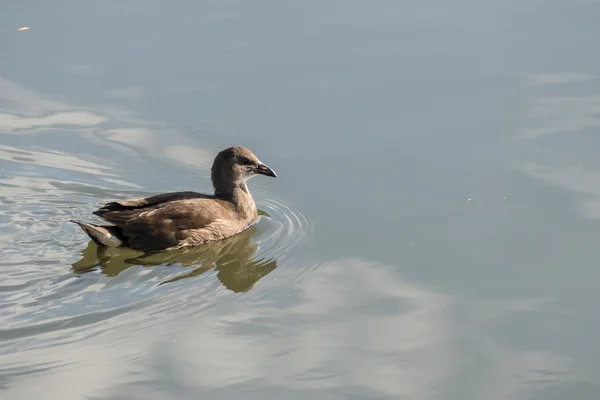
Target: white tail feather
pixel 99 234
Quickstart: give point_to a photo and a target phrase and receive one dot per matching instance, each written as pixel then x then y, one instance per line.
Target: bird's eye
pixel 245 161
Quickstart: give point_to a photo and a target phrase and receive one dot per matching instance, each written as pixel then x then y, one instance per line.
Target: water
pixel 432 233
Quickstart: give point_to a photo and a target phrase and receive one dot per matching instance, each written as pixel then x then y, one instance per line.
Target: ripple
pixel 44 292
pixel 286 224
pixel 66 323
pixel 284 232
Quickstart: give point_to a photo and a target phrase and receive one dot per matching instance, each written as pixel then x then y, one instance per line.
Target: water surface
pixel 432 233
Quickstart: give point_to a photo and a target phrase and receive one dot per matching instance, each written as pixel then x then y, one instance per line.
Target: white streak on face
pixel 250 173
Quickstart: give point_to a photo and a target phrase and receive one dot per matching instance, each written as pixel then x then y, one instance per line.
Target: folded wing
pixel 164 220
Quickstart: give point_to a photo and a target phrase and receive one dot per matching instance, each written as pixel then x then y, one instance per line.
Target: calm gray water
pixel 432 234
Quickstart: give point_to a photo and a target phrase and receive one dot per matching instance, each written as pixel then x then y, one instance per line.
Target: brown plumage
pixel 182 219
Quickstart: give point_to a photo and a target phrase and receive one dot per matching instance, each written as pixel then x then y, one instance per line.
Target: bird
pixel 177 220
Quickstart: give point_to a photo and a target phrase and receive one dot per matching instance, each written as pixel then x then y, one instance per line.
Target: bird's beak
pixel 265 170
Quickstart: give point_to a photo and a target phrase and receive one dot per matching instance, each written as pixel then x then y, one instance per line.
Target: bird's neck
pixel 238 194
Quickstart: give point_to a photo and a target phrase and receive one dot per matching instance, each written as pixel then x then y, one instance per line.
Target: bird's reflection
pixel 234 260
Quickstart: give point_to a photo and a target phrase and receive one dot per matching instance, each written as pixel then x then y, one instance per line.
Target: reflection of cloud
pixel 24 188
pixel 552 79
pixel 27 190
pixel 47 376
pixel 138 136
pixel 189 155
pixel 26 111
pixel 127 93
pixel 11 122
pixel 573 178
pixel 161 139
pixel 56 159
pixel 121 182
pixel 51 158
pixel 23 101
pixel 563 114
pixel 350 326
pixel 521 372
